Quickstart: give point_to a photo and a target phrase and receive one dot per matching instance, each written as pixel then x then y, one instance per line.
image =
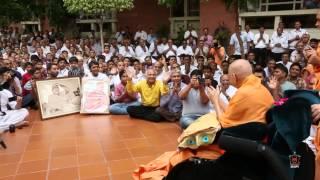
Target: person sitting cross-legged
pixel 11 113
pixel 195 100
pixel 122 98
pixel 150 90
pixel 170 104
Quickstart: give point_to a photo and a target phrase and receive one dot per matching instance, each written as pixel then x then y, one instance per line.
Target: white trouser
pixel 12 117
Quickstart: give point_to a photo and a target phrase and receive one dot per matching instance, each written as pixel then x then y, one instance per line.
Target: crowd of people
pixel 154 78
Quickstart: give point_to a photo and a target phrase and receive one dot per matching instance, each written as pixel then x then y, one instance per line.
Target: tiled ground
pixel 91 147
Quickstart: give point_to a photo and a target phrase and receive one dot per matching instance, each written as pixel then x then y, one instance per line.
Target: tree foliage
pixel 18 10
pixel 57 13
pixel 97 6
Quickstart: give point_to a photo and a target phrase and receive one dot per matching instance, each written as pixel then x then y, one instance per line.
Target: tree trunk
pixel 101 33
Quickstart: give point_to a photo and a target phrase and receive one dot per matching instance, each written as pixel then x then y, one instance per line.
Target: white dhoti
pixel 12 117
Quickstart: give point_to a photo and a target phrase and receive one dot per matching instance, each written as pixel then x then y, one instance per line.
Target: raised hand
pixel 213 94
pixel 130 73
pixel 166 77
pixel 273 83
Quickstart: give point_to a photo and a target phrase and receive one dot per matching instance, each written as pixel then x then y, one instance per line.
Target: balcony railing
pixel 279 5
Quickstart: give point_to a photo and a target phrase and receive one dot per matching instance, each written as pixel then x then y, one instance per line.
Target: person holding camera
pixel 194 99
pixel 218 52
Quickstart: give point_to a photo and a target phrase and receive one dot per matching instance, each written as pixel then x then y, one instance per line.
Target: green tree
pixel 97 8
pixel 19 10
pixel 57 13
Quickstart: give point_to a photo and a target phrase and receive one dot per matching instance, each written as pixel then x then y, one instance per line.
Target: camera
pixel 201 80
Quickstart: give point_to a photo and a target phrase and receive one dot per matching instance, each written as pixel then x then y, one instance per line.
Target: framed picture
pixel 95 96
pixel 59 97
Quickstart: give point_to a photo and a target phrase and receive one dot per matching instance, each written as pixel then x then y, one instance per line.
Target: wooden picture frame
pixel 95 96
pixel 58 97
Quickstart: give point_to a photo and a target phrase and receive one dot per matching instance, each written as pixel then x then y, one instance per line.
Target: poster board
pixel 95 96
pixel 58 97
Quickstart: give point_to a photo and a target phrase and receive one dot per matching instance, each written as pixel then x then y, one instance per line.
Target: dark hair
pixel 28 64
pixel 49 66
pixel 285 53
pixel 196 72
pixel 282 68
pixel 101 57
pixel 62 59
pixel 271 59
pixel 224 61
pixel 136 60
pixel 296 64
pixel 93 63
pixel 73 59
pixel 251 52
pixel 34 58
pixel 260 70
pixel 4 69
pixel 206 67
pixel 121 73
pixel 314 40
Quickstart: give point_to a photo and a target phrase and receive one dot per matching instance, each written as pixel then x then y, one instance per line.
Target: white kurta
pixel 9 117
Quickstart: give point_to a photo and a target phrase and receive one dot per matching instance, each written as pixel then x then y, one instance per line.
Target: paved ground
pixel 91 147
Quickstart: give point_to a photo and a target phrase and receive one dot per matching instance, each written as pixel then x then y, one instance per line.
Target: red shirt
pixel 25 78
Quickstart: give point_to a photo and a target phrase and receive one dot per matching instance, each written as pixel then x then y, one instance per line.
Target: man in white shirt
pixel 201 50
pixel 184 49
pixel 107 53
pixel 295 35
pixel 140 34
pixel 142 51
pixel 187 67
pixel 170 49
pixel 284 32
pixel 285 60
pixel 238 43
pixel 63 70
pixel 261 41
pixel 151 36
pixel 227 91
pixel 278 44
pixel 126 50
pixel 297 55
pixel 190 32
pixel 94 72
pixel 250 36
pixel 114 47
pixel 155 48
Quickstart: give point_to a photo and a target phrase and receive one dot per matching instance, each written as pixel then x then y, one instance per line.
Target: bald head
pixel 241 69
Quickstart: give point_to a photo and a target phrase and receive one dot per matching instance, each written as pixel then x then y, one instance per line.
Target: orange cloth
pixel 316 71
pixel 317 144
pixel 213 52
pixel 250 104
pixel 160 167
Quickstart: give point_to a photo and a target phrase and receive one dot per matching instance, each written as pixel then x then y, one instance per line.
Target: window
pixel 84 27
pixel 193 8
pixel 280 5
pixel 178 9
pixel 307 21
pixel 256 22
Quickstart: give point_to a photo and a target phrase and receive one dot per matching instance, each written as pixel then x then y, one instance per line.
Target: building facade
pixel 270 12
pixel 200 14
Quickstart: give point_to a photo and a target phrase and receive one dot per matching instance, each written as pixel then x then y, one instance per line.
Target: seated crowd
pixel 152 78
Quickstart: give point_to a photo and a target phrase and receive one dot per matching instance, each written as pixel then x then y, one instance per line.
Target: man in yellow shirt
pixel 150 90
pixel 249 104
